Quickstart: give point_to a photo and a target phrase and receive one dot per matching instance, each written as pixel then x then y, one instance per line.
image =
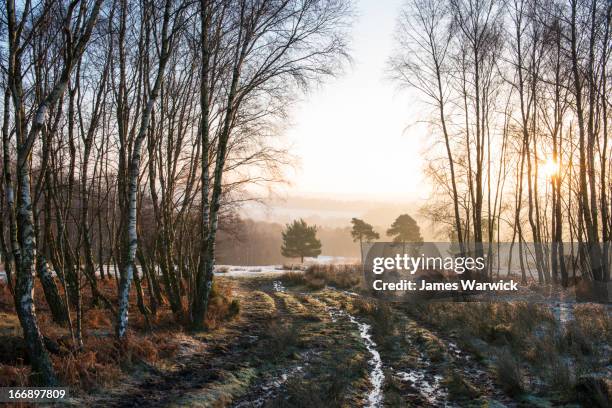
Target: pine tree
pixel 362 232
pixel 405 229
pixel 300 240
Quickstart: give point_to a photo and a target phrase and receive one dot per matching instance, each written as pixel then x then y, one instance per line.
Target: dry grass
pixel 508 373
pixel 364 306
pixel 267 306
pixel 318 276
pixel 594 392
pixel 85 371
pixel 14 376
pixel 338 276
pixel 6 298
pixel 101 362
pixel 560 377
pixel 459 388
pixel 282 338
pixel 530 350
pixel 9 324
pixel 380 313
pixel 293 279
pixel 382 318
pixel 221 306
pixel 593 322
pixel 496 323
pixel 97 319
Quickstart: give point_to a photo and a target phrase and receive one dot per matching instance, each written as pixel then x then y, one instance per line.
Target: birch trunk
pixel 52 296
pixel 131 244
pixel 200 297
pixel 42 369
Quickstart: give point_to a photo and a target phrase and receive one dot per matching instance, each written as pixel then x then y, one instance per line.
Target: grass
pixel 594 392
pixel 298 356
pixel 318 276
pixel 268 306
pixel 101 362
pixel 338 377
pixel 338 276
pixel 293 279
pixel 382 318
pixel 528 349
pixel 221 305
pixel 329 389
pixel 282 338
pixel 530 354
pixel 222 393
pixel 9 324
pixel 508 373
pixel 459 388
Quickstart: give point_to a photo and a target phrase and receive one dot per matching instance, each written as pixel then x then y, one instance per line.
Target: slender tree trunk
pixel 202 283
pixel 52 296
pixel 131 235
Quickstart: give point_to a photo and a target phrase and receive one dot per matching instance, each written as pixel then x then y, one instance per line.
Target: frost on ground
pixel 278 286
pixel 377 377
pixel 250 271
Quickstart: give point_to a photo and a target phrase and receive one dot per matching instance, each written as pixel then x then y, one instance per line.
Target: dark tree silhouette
pixel 405 229
pixel 300 240
pixel 362 232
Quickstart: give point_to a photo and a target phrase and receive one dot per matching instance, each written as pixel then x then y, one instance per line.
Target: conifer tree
pixel 362 232
pixel 300 240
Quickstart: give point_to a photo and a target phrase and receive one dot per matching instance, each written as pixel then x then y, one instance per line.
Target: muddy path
pixel 300 349
pixel 410 364
pixel 430 369
pixel 326 346
pixel 420 367
pixel 203 363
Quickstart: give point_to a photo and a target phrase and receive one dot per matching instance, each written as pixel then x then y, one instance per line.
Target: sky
pixel 359 135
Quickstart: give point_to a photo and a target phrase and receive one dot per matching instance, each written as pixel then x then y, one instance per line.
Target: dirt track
pixel 288 348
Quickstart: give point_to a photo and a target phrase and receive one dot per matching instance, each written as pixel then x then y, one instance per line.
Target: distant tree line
pixel 300 239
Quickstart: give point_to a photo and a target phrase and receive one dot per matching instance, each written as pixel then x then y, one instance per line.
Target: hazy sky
pixel 358 134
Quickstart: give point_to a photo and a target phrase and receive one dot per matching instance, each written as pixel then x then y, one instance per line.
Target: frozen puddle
pixel 270 389
pixel 427 384
pixel 563 312
pixel 278 286
pixel 377 377
pixel 429 389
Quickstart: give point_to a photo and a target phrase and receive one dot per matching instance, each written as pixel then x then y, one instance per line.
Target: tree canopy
pixel 300 240
pixel 362 231
pixel 405 229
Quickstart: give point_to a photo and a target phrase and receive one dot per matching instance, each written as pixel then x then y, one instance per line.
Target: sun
pixel 550 167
